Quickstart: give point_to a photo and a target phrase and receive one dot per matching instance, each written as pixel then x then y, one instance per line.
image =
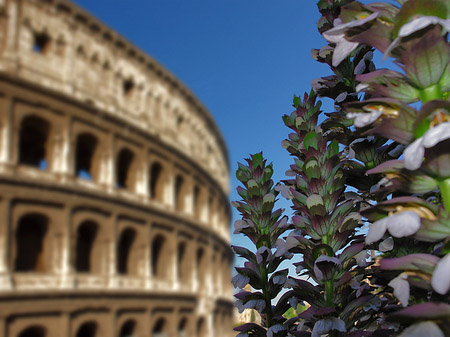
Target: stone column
pixel 6 106
pixel 61 151
pixel 67 277
pixel 142 176
pixel 6 236
pixel 107 165
pixel 113 281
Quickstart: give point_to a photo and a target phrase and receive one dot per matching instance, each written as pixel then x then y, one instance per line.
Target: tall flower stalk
pixel 382 161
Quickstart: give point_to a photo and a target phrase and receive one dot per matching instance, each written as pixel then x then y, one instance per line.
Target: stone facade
pixel 114 218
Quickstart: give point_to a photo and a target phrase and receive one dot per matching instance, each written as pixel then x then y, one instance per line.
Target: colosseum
pixel 114 217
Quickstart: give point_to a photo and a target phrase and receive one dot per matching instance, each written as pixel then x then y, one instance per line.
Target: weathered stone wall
pixel 114 219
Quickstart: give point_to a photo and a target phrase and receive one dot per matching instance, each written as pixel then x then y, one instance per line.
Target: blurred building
pixel 114 219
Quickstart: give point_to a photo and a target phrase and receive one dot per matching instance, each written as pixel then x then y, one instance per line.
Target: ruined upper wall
pixel 59 46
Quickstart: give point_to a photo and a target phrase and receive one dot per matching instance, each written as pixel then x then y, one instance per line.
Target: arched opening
pixel 86 235
pixel 33 138
pixel 158 329
pixel 34 331
pixel 124 174
pixel 181 251
pixel 84 156
pixel 200 259
pixel 30 243
pixel 41 42
pixel 179 193
pixel 128 328
pixel 155 182
pixel 201 327
pixel 182 328
pixel 195 201
pixel 157 256
pixel 124 249
pixel 88 329
pixel 210 209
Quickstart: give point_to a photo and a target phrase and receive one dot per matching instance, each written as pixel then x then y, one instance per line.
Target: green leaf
pixel 258 160
pixel 315 205
pixel 312 168
pixel 310 140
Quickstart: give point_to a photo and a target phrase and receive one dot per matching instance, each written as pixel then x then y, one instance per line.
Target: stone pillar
pixel 6 106
pixel 107 166
pixel 67 277
pixel 113 281
pixel 142 177
pixel 6 236
pixel 61 151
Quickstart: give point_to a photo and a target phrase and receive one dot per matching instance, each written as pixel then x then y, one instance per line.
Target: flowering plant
pixel 369 187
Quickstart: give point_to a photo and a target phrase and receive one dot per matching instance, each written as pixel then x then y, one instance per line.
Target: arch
pixel 41 42
pixel 87 329
pixel 159 328
pixel 182 328
pixel 179 193
pixel 124 247
pixel 155 181
pixel 181 251
pixel 201 327
pixel 86 235
pixel 128 328
pixel 34 331
pixel 196 201
pixel 85 149
pixel 158 245
pixel 125 160
pixel 33 138
pixel 30 243
pixel 200 259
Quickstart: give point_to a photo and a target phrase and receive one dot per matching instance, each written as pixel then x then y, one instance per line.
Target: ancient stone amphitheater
pixel 114 218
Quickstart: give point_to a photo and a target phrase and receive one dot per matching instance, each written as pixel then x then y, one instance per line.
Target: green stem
pixel 430 93
pixel 444 187
pixel 265 282
pixel 329 291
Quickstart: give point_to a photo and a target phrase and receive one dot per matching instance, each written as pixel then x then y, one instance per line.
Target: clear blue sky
pixel 244 59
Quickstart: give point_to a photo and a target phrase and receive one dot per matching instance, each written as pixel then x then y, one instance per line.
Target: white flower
pixel 427 328
pixel 337 35
pixel 414 152
pixel 361 119
pixel 440 281
pixel 386 245
pixel 416 24
pixel 325 325
pixel 401 288
pixel 400 224
pixel 361 258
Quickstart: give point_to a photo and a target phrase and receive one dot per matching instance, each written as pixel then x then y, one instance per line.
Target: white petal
pixel 361 258
pixel 427 328
pixel 401 288
pixel 362 119
pixel 436 135
pixel 376 231
pixel 413 154
pixel 415 25
pixel 420 23
pixel 342 50
pixel 386 245
pixel 403 224
pixel 440 281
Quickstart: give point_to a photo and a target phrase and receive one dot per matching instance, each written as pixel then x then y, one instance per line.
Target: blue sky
pixel 244 59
